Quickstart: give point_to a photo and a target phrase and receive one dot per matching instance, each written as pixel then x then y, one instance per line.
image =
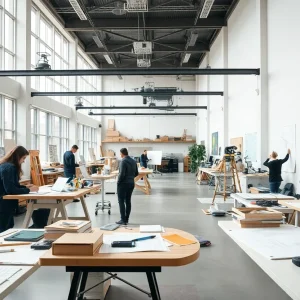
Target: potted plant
pixel 99 171
pixel 197 154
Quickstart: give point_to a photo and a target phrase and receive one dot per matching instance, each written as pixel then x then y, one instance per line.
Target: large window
pixel 48 129
pixel 7 34
pixel 46 38
pixel 7 120
pixel 87 138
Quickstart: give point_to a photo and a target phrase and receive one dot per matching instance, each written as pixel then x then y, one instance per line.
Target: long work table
pixel 55 201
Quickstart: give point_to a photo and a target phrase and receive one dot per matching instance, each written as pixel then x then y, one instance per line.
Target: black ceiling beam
pixel 143 114
pixel 140 107
pixel 152 24
pixel 129 72
pixel 158 48
pixel 144 94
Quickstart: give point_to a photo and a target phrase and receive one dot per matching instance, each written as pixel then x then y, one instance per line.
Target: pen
pixel 144 238
pixel 7 250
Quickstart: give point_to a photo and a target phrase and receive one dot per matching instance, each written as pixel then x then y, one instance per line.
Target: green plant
pixel 197 154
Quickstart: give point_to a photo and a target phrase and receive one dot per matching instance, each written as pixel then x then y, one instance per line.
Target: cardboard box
pixel 116 139
pixel 257 213
pixel 164 138
pixel 109 153
pixel 112 133
pixel 78 243
pixel 108 139
pixel 111 124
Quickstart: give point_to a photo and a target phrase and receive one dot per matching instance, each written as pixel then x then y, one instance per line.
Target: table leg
pixel 74 285
pixel 153 286
pixel 83 284
pixel 62 208
pixel 51 216
pixel 86 212
pixel 296 218
pixel 102 192
pixel 28 214
pixel 148 183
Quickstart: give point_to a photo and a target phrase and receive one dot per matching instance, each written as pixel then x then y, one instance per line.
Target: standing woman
pixel 10 174
pixel 274 166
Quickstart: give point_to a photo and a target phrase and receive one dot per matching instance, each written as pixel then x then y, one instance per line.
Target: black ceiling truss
pixel 129 72
pixel 144 94
pixel 140 107
pixel 142 114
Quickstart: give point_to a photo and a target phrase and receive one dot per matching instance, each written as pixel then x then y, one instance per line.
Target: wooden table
pixel 55 201
pixel 283 272
pixel 146 188
pixel 289 204
pixel 144 262
pixel 104 204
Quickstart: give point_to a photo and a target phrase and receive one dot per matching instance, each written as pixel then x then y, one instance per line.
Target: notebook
pixel 25 236
pixel 178 240
pixel 151 228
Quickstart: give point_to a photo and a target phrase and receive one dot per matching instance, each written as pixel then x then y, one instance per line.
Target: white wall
pixel 139 127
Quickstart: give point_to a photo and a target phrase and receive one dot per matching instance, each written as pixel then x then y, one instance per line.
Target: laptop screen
pixel 59 184
pixel 84 171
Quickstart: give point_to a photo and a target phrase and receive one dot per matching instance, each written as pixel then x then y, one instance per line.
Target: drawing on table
pixel 214 143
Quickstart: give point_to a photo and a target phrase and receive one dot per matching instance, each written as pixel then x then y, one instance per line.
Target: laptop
pixel 60 184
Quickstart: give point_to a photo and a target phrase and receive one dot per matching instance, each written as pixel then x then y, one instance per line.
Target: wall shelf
pixel 150 142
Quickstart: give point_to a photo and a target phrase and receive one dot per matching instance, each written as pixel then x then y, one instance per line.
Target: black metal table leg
pixel 83 284
pixel 74 285
pixel 153 286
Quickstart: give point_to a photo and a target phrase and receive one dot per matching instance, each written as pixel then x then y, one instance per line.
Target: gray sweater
pixel 127 170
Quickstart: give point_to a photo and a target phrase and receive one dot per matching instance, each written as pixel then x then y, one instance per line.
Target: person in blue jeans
pixel 274 164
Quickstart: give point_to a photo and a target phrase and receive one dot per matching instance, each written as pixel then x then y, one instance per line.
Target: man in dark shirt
pixel 127 172
pixel 144 159
pixel 274 166
pixel 69 162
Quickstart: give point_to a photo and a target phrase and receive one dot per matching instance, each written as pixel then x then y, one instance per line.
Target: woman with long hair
pixel 10 174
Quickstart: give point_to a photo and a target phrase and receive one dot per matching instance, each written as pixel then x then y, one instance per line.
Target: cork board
pixel 238 142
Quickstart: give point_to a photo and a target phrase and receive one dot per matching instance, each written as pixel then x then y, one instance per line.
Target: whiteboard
pixel 287 140
pixel 155 156
pixel 273 243
pixel 251 146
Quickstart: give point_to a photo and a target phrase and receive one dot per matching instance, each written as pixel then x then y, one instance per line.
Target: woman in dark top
pixel 10 174
pixel 274 166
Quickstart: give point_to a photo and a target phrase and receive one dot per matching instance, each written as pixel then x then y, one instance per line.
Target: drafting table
pixel 55 201
pixel 139 262
pixel 283 272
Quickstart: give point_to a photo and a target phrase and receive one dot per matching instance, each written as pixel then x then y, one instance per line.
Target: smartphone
pixel 123 244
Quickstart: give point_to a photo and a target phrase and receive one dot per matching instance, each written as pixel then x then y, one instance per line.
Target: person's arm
pixel 285 159
pixel 266 163
pixel 11 185
pixel 121 172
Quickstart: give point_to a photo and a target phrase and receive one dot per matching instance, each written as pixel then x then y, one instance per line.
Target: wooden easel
pixel 228 162
pixel 36 168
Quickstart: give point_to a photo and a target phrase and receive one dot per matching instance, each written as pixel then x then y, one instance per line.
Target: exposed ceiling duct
pixel 138 107
pixel 77 8
pixel 142 114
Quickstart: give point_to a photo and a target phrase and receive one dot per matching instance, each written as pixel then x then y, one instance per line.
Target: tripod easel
pixel 228 169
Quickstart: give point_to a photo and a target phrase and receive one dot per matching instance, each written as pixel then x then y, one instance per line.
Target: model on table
pixel 10 174
pixel 274 166
pixel 127 172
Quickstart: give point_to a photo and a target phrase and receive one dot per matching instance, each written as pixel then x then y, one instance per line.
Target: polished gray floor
pixel 223 271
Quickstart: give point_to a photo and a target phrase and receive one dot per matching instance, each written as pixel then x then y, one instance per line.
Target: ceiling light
pixel 108 59
pixel 192 39
pixel 43 63
pixel 76 6
pixel 90 113
pixel 206 8
pixel 78 101
pixel 98 41
pixel 186 58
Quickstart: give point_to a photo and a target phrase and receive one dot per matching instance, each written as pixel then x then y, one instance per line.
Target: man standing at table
pixel 127 172
pixel 69 162
pixel 144 159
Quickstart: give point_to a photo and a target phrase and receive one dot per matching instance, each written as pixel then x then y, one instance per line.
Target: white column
pixel 23 62
pixel 262 86
pixel 208 138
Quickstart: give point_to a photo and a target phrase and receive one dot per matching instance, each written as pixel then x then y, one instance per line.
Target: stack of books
pixel 257 217
pixel 57 229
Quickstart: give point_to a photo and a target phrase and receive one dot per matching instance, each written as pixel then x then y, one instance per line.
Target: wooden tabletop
pixel 178 256
pixel 53 195
pixel 104 177
pixel 286 203
pixel 141 171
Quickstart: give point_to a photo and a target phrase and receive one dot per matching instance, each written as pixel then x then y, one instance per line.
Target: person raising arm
pixel 275 166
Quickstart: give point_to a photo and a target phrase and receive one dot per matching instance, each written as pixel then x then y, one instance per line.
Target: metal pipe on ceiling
pixel 129 72
pixel 141 107
pixel 142 114
pixel 144 94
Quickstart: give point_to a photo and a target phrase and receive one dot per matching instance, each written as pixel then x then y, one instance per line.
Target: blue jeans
pixel 274 187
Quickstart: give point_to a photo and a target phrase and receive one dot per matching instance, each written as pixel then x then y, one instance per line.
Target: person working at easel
pixel 274 166
pixel 144 159
pixel 10 174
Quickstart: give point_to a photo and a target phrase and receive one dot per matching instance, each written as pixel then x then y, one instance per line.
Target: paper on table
pixel 21 256
pixel 42 190
pixel 151 228
pixel 155 244
pixel 7 272
pixel 294 204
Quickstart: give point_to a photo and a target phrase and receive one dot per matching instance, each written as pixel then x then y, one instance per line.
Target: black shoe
pixel 76 200
pixel 121 222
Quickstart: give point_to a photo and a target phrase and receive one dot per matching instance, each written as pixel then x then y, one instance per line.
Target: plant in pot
pixel 99 171
pixel 197 154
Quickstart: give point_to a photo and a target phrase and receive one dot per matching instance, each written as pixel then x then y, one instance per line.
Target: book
pixel 178 240
pixel 151 228
pixel 56 235
pixel 78 244
pixel 68 226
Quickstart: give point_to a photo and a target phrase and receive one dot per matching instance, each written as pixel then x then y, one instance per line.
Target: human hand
pixel 289 151
pixel 34 188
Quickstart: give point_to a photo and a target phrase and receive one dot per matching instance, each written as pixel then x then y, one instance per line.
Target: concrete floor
pixel 222 272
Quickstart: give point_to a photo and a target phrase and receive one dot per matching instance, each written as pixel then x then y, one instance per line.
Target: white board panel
pixel 251 146
pixel 154 157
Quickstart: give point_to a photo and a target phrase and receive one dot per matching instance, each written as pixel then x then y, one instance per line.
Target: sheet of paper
pixel 155 244
pixel 273 243
pixel 23 255
pixel 294 204
pixel 264 196
pixel 7 272
pixel 151 228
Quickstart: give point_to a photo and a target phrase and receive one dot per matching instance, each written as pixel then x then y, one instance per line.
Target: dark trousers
pixel 274 187
pixel 124 197
pixel 69 175
pixel 7 210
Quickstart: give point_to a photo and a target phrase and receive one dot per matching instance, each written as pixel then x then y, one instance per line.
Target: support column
pixel 262 85
pixel 23 62
pixel 208 138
